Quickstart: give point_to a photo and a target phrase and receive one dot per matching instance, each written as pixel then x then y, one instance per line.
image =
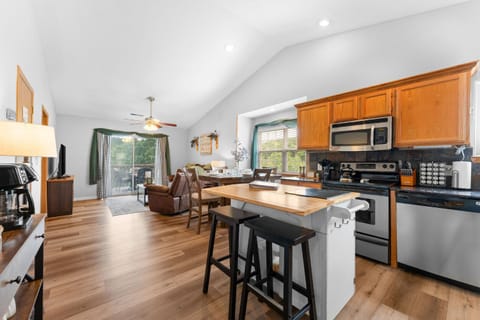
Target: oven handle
pixel 379 242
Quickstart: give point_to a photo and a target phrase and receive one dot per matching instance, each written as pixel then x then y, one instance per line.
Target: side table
pixel 142 191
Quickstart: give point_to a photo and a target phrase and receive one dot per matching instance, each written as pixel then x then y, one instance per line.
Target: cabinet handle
pixel 16 280
pixel 40 236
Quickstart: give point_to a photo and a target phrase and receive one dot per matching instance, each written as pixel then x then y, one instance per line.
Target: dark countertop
pixel 471 194
pixel 299 179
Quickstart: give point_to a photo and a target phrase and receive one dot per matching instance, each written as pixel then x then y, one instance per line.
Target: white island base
pixel 332 253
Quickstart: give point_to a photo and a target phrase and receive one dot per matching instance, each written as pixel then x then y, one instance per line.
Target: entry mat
pixel 318 193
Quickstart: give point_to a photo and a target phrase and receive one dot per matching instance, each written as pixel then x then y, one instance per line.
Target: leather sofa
pixel 169 200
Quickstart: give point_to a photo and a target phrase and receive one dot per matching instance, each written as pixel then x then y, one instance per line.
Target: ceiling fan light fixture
pixel 150 126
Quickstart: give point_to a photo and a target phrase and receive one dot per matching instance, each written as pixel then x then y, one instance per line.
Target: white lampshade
pixel 27 140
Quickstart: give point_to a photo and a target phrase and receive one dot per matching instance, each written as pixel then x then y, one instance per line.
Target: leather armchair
pixel 169 200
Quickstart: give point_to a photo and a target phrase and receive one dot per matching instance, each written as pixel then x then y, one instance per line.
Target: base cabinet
pixel 60 196
pixel 21 249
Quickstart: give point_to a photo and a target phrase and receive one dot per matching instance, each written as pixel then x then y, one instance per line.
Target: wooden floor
pixel 148 266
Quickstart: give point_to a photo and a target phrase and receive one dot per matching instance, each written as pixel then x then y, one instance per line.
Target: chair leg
pixel 269 269
pixel 287 283
pixel 189 216
pixel 208 264
pixel 246 276
pixel 309 279
pixel 200 207
pixel 233 271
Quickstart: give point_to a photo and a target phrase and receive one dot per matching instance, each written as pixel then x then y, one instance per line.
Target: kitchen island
pixel 332 249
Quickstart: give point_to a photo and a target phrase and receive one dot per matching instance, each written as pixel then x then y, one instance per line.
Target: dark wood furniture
pixel 60 196
pixel 262 174
pixel 223 180
pixel 233 218
pixel 285 235
pixel 20 248
pixel 198 198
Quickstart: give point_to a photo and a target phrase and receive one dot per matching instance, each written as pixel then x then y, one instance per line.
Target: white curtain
pixel 161 162
pixel 104 188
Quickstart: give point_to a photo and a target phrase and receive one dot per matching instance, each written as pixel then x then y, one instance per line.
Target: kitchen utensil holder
pixel 410 180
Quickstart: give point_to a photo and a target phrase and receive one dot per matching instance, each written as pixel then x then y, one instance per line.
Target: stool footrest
pixel 275 304
pixel 295 285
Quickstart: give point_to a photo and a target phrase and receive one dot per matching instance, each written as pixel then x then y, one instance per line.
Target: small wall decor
pixel 194 143
pixel 10 114
pixel 205 144
pixel 214 136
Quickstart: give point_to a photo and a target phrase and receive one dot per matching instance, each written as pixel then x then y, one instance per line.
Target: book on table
pixel 258 184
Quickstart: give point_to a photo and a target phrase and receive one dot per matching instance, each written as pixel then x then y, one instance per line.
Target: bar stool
pixel 232 217
pixel 285 235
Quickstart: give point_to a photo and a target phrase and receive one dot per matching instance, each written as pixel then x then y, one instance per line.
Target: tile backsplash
pixel 415 156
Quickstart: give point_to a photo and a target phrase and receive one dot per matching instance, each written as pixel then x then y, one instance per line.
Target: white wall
pixel 20 45
pixel 76 134
pixel 352 60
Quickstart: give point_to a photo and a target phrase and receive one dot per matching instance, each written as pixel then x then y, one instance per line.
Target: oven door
pixel 373 221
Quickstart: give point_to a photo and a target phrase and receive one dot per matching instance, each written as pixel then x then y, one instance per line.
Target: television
pixel 61 162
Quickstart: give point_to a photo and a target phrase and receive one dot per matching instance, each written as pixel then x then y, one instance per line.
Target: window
pixel 277 148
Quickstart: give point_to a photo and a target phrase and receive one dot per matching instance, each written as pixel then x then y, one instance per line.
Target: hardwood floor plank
pixel 149 266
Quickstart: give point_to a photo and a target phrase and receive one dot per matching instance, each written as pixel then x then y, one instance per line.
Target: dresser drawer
pixel 19 265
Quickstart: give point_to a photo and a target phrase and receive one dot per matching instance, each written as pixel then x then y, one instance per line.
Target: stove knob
pixel 343 165
pixel 384 166
pixel 392 166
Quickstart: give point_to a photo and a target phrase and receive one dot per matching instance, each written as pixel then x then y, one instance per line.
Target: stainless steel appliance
pixel 461 174
pixel 362 135
pixel 439 234
pixel 373 181
pixel 18 205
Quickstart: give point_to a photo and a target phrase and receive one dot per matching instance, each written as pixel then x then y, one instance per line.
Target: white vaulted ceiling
pixel 105 56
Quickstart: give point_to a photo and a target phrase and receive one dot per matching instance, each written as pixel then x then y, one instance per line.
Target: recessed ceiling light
pixel 324 22
pixel 229 47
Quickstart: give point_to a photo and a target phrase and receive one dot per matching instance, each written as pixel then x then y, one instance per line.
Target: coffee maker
pixel 16 203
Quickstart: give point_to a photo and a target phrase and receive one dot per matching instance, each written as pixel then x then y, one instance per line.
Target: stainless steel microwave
pixel 361 135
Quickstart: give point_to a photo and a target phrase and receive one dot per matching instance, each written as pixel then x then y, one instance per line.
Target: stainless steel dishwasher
pixel 440 234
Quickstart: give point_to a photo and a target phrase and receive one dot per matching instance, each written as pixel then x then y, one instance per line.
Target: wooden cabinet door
pixel 433 112
pixel 345 109
pixel 376 104
pixel 313 126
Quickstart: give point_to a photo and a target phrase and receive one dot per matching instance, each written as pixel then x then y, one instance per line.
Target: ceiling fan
pixel 151 124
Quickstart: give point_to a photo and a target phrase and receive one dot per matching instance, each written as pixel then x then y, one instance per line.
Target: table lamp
pixel 27 140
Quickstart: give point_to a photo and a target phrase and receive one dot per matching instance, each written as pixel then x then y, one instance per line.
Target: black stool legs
pixel 233 218
pixel 286 236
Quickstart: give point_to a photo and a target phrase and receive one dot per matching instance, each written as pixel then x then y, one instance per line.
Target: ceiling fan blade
pixel 166 124
pixel 136 114
pixel 133 120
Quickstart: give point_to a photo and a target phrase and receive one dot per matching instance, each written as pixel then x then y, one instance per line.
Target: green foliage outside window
pixel 278 149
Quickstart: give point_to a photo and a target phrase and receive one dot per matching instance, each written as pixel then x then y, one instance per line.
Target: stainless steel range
pixel 373 181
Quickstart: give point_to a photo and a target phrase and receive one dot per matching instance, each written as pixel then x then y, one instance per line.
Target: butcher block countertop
pixel 278 199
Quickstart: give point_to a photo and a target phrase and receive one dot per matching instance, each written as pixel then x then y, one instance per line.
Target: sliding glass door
pixel 132 163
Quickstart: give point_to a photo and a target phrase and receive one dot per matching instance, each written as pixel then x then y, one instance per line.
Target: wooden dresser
pixel 20 249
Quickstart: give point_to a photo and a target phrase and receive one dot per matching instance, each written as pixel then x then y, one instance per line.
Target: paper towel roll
pixel 461 174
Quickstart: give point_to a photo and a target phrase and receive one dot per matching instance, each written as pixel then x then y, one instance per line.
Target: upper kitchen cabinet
pixel 345 109
pixel 433 111
pixel 375 104
pixel 313 126
pixel 370 104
